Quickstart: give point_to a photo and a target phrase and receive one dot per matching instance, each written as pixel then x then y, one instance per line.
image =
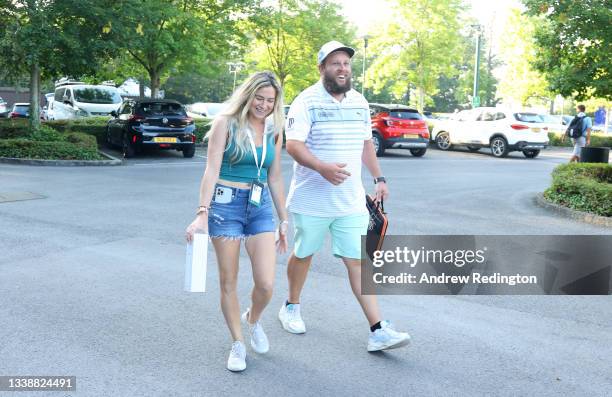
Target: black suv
pixel 155 123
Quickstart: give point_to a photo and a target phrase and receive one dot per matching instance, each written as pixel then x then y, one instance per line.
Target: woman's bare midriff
pixel 239 185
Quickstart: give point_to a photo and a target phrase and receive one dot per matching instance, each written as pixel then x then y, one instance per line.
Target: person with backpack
pixel 579 130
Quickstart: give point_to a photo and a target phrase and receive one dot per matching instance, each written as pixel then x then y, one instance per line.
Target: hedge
pixel 95 126
pixel 597 140
pixel 583 187
pixel 18 141
pixel 27 149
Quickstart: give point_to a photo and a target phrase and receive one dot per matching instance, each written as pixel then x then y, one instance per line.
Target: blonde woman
pixel 241 181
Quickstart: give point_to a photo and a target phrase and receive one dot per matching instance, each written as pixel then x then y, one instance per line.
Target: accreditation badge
pixel 255 194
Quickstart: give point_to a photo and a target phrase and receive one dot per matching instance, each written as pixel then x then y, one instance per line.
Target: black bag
pixel 377 227
pixel 574 129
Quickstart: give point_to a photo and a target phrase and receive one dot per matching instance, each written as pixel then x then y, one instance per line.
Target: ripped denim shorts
pixel 239 219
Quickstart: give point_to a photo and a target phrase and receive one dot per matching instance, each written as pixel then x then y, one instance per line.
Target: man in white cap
pixel 329 133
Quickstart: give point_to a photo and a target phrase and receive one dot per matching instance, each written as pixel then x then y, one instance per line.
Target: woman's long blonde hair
pixel 237 111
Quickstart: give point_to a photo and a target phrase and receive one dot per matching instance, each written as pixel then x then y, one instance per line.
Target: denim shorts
pixel 240 219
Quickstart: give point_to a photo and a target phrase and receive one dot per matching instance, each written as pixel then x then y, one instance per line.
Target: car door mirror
pixel 114 114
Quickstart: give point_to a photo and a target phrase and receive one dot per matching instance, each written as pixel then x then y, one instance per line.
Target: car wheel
pixel 189 151
pixel 443 141
pixel 499 147
pixel 473 149
pixel 530 154
pixel 379 144
pixel 128 147
pixel 418 152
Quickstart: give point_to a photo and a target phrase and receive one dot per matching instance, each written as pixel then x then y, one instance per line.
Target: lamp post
pixel 234 68
pixel 365 53
pixel 475 97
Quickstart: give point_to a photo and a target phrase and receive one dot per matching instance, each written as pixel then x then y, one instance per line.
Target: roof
pixel 153 100
pixel 393 106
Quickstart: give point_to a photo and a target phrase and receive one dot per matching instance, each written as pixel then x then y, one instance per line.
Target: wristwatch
pixel 380 179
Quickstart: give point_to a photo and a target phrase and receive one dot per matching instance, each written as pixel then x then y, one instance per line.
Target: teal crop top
pixel 245 169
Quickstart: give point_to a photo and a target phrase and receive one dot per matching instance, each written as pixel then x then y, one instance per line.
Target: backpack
pixel 574 129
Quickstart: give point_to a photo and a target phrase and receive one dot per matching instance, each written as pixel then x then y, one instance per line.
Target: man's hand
pixel 382 191
pixel 334 173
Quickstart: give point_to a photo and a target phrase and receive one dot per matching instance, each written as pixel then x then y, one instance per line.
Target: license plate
pixel 536 129
pixel 411 136
pixel 163 139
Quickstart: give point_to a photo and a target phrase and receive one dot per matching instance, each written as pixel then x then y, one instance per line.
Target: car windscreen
pixel 21 109
pixel 547 118
pixel 405 114
pixel 97 95
pixel 528 117
pixel 161 109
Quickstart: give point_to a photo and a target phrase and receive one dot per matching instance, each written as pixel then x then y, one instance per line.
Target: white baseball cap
pixel 333 46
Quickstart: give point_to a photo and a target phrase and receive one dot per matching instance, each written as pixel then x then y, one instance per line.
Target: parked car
pixel 554 123
pixel 205 109
pixel 501 130
pixel 154 123
pixel 431 119
pixel 20 111
pixel 73 99
pixel 398 126
pixel 4 108
pixel 45 113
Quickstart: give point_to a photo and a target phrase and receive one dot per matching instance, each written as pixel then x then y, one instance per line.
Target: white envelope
pixel 195 263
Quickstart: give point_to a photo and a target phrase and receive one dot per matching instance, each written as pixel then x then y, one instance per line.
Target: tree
pixel 162 35
pixel 416 47
pixel 487 83
pixel 574 45
pixel 289 37
pixel 521 83
pixel 50 38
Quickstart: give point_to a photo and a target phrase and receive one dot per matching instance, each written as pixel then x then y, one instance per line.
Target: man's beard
pixel 333 87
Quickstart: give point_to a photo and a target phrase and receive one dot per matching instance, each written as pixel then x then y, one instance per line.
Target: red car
pixel 398 127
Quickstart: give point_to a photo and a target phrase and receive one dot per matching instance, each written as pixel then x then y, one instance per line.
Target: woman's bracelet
pixel 201 209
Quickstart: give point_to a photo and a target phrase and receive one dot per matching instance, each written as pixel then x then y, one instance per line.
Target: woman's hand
pixel 199 224
pixel 281 243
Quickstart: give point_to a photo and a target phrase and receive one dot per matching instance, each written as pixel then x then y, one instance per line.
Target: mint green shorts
pixel 346 232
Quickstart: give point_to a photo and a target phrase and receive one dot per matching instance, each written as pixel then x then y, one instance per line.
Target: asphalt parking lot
pixel 92 272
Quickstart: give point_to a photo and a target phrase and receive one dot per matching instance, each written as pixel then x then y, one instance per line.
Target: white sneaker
pixel 387 338
pixel 259 340
pixel 291 319
pixel 237 358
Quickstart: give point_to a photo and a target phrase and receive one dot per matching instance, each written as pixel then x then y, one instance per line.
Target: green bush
pixel 597 140
pixel 13 128
pixel 202 127
pixel 95 126
pixel 17 140
pixel 45 134
pixel 58 150
pixel 583 187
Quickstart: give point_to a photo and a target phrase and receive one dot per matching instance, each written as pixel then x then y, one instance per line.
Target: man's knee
pixel 294 260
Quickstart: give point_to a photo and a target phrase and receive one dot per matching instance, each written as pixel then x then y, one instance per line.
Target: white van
pixel 76 99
